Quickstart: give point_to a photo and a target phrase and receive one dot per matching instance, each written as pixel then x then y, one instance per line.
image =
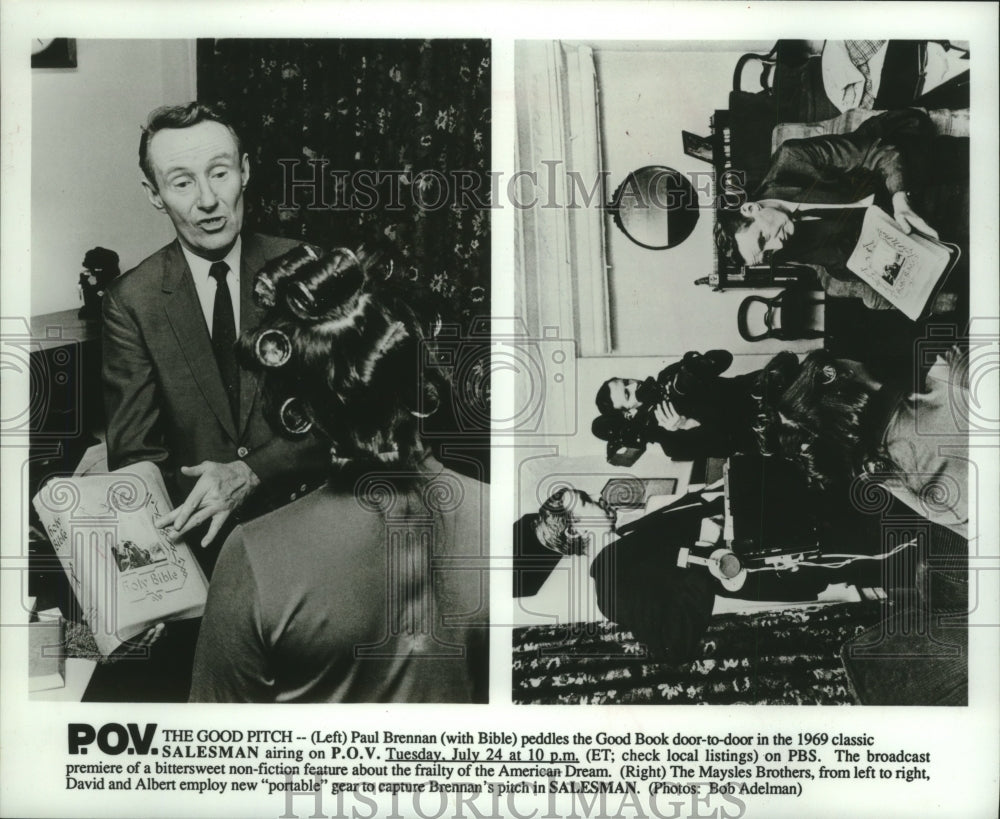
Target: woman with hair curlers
pixel 838 423
pixel 373 588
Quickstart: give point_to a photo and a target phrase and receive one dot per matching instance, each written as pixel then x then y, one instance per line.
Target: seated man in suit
pixel 173 390
pixel 809 207
pixel 689 409
pixel 638 581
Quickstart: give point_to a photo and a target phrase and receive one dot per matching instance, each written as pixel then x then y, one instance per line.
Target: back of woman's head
pixel 816 419
pixel 827 395
pixel 777 375
pixel 342 351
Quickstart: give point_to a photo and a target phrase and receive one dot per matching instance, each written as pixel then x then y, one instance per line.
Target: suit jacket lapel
pixel 689 507
pixel 827 237
pixel 251 260
pixel 188 323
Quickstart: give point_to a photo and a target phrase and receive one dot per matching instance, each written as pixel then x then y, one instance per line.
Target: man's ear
pixel 749 208
pixel 151 192
pixel 245 170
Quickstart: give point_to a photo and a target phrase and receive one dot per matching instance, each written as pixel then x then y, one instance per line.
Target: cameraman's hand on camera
pixel 667 417
pixel 221 488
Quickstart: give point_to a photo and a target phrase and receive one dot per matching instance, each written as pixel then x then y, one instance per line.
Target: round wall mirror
pixel 656 207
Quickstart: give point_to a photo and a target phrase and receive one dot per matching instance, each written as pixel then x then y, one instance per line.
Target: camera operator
pixel 689 409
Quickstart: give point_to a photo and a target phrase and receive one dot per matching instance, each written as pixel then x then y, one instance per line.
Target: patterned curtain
pixel 415 112
pixel 383 144
pixel 784 657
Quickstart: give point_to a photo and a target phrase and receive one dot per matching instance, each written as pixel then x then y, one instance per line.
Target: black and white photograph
pixel 277 310
pixel 384 383
pixel 814 546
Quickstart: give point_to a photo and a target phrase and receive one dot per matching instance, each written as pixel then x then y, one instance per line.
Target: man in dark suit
pixel 173 391
pixel 810 205
pixel 638 580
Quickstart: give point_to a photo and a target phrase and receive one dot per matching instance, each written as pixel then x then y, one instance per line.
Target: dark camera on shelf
pixel 100 268
pixel 626 442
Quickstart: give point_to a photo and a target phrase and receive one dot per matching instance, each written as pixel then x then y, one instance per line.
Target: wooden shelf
pixel 52 330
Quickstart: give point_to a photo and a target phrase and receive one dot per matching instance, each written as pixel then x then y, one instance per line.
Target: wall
pixel 84 168
pixel 648 92
pixel 647 98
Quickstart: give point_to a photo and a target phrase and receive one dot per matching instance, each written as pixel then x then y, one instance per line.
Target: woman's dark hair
pixel 777 375
pixel 342 350
pixel 817 419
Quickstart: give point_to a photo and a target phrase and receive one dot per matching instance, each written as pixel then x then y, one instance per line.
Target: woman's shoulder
pixel 446 490
pixel 444 473
pixel 324 513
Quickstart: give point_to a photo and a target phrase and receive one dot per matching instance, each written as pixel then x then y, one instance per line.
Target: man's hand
pixel 667 417
pixel 221 488
pixel 907 218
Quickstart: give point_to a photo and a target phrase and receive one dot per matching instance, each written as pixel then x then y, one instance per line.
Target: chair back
pixel 787 316
pixel 743 316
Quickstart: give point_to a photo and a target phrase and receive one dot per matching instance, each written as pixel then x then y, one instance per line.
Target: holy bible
pixel 907 269
pixel 126 573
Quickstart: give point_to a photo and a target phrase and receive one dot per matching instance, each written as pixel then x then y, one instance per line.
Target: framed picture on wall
pixel 58 52
pixel 697 146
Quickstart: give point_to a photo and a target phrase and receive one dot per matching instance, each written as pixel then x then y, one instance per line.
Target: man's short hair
pixel 603 398
pixel 728 222
pixel 554 528
pixel 180 116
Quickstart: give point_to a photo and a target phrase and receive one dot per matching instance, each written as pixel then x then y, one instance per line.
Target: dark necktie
pixel 824 236
pixel 224 337
pixel 860 52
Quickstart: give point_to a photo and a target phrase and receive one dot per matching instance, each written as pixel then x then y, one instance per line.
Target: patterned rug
pixel 786 657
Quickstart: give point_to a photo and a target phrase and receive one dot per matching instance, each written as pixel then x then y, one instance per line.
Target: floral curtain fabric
pixel 380 143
